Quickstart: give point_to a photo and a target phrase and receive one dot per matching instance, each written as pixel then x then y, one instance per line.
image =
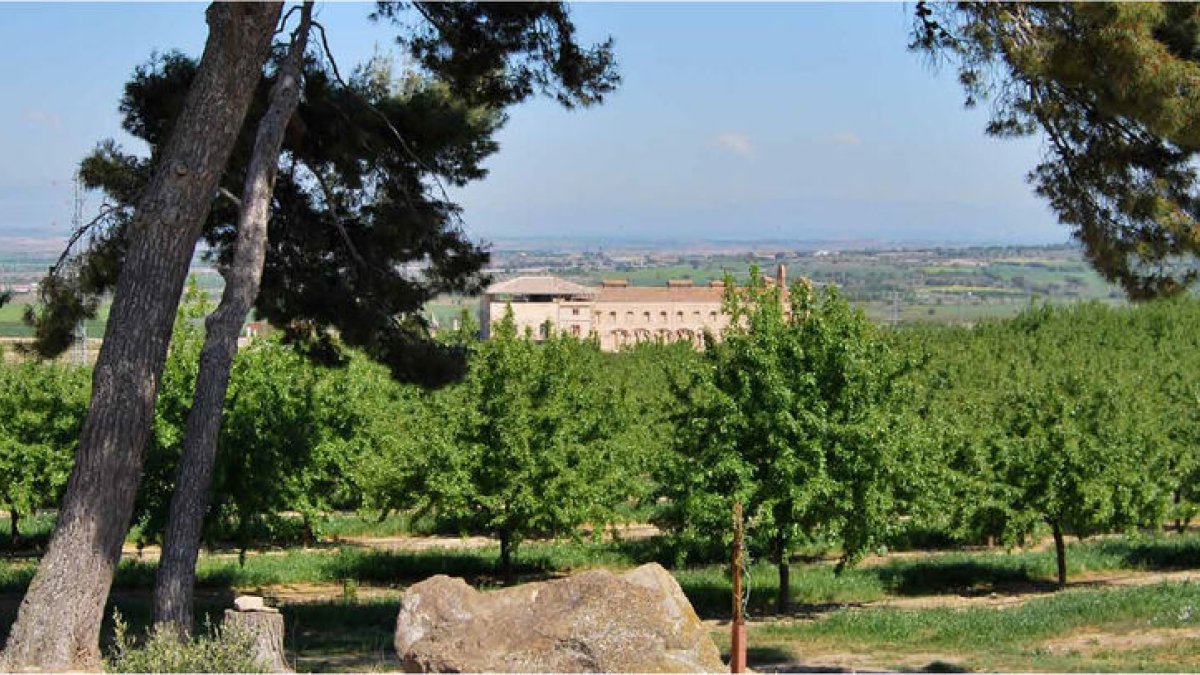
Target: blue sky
pixel 734 121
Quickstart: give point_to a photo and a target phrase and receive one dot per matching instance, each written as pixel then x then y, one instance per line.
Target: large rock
pixel 597 621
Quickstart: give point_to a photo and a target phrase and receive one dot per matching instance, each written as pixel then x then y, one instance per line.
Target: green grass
pixel 13 325
pixel 708 586
pixel 344 631
pixel 1005 638
pixel 814 586
pixel 336 525
pixel 34 529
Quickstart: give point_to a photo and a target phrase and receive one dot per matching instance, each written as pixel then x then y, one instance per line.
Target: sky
pixel 734 121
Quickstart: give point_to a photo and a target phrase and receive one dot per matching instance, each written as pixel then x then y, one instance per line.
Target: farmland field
pixel 939 285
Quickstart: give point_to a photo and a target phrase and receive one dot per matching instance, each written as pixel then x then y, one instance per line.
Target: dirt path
pixel 406 543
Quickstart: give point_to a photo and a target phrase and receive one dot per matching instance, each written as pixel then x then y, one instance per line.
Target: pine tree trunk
pixel 181 542
pixel 58 623
pixel 1060 553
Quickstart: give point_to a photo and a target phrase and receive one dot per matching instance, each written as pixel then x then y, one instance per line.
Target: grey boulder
pixel 595 621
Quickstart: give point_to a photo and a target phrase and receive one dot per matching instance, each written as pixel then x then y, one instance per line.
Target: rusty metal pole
pixel 737 649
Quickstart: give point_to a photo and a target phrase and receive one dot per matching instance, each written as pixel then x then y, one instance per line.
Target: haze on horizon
pixel 788 122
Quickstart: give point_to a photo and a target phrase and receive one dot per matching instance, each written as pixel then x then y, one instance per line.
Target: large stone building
pixel 615 313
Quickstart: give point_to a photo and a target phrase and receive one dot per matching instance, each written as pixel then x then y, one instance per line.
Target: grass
pixel 708 586
pixel 1005 639
pixel 349 524
pixel 34 530
pixel 351 626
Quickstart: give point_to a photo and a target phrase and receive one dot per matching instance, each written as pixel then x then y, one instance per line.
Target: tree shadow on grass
pixel 339 635
pixel 757 657
pixel 958 577
pixel 405 568
pixel 713 600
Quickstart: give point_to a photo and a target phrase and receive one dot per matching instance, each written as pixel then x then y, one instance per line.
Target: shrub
pixel 219 650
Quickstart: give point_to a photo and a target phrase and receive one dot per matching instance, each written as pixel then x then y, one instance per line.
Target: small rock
pixel 248 603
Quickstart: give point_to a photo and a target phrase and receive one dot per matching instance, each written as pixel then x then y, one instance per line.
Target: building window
pixel 712 316
pixel 663 316
pixel 575 331
pixel 575 311
pixel 647 316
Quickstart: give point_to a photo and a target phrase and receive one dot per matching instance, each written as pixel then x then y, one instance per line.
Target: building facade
pixel 616 314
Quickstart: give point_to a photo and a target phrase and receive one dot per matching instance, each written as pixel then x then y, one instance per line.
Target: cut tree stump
pixel 266 625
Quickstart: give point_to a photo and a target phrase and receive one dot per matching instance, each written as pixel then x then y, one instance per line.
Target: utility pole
pixel 737 649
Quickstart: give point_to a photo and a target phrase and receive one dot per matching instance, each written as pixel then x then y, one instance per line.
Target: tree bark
pixel 1180 526
pixel 58 623
pixel 266 627
pixel 1060 553
pixel 784 600
pixel 506 568
pixel 181 543
pixel 14 520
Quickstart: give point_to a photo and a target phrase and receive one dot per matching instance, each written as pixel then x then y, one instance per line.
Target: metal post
pixel 737 649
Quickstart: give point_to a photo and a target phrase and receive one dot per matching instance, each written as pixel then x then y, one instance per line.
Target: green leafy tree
pixel 1174 352
pixel 528 445
pixel 1111 87
pixel 796 414
pixel 1054 421
pixel 41 409
pixel 293 432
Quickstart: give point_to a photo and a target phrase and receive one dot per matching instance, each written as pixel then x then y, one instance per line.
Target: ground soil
pixel 1090 643
pixel 412 543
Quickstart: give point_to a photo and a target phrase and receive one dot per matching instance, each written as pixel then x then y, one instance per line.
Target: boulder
pixel 596 621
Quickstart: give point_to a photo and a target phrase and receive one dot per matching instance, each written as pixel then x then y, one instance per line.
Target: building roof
pixel 546 285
